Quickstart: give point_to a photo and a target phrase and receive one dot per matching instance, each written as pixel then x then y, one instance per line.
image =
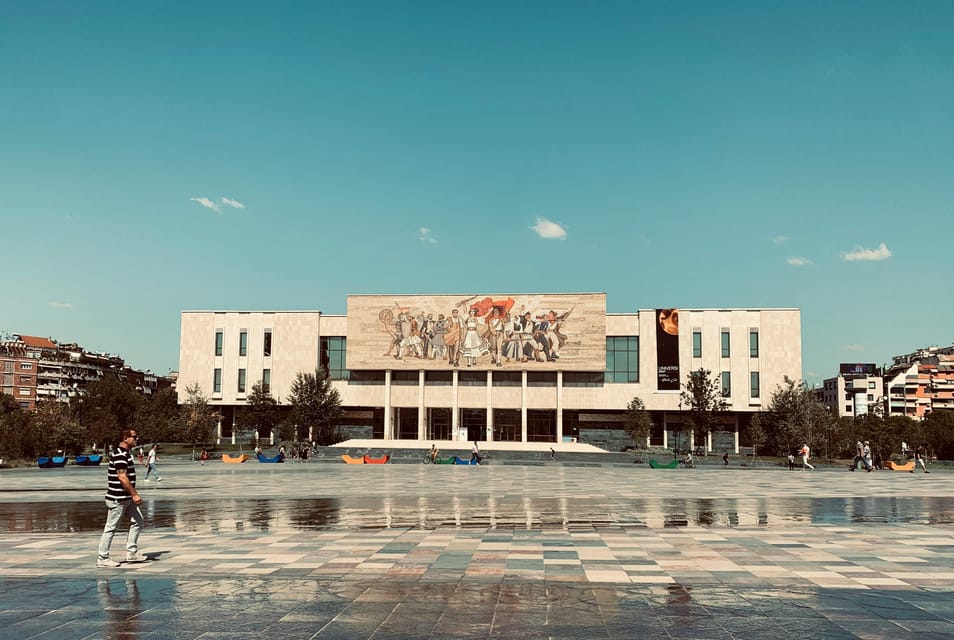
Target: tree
pixel 937 433
pixel 638 423
pixel 315 408
pixel 197 420
pixel 756 434
pixel 17 438
pixel 262 411
pixel 156 420
pixel 794 417
pixel 702 394
pixel 108 406
pixel 54 421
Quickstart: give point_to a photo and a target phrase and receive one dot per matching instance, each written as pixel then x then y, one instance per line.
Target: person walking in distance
pixel 475 454
pixel 919 454
pixel 151 461
pixel 122 499
pixel 725 459
pixel 806 453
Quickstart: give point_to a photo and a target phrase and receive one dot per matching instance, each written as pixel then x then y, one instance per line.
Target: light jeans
pixel 151 468
pixel 117 509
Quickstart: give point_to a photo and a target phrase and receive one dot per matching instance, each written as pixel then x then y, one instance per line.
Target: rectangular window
pixel 405 378
pixel 583 378
pixel 331 354
pixel 218 343
pixel 754 384
pixel 366 378
pixel 267 380
pixel 847 408
pixel 24 392
pixel 753 343
pixel 870 397
pixel 241 381
pixel 472 379
pixel 622 358
pixel 217 381
pixel 8 366
pixel 541 378
pixel 26 379
pixel 26 366
pixel 696 344
pixel 871 384
pixel 243 342
pixel 438 378
pixel 726 384
pixel 508 379
pixel 725 344
pixel 267 342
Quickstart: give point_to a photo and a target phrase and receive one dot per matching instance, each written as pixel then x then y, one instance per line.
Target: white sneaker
pixel 106 562
pixel 158 479
pixel 136 557
pixel 147 480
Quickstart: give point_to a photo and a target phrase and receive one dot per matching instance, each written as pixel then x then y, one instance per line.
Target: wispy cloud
pixel 208 204
pixel 798 261
pixel 426 235
pixel 235 204
pixel 780 239
pixel 60 305
pixel 860 253
pixel 855 347
pixel 549 230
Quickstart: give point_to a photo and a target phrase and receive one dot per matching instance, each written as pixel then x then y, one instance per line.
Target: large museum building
pixel 496 367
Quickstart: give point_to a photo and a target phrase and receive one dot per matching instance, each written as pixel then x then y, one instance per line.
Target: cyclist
pixel 434 452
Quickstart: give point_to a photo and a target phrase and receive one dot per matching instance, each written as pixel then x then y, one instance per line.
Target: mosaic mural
pixel 515 331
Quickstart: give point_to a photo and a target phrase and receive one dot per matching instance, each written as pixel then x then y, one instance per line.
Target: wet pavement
pixel 407 551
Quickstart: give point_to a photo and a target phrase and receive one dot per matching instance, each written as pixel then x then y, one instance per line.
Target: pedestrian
pixel 151 461
pixel 142 455
pixel 552 454
pixel 806 454
pixel 304 454
pixel 791 461
pixel 859 456
pixel 203 457
pixel 725 459
pixel 122 499
pixel 475 454
pixel 919 454
pixel 866 454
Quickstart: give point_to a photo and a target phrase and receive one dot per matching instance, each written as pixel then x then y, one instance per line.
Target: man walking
pixel 122 499
pixel 151 461
pixel 806 454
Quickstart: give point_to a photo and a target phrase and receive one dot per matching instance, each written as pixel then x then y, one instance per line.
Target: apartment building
pixel 857 390
pixel 921 382
pixel 496 367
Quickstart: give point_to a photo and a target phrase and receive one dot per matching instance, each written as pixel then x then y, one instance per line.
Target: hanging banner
pixel 667 349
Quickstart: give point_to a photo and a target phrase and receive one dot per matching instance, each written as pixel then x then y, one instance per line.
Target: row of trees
pixel 794 417
pixel 110 405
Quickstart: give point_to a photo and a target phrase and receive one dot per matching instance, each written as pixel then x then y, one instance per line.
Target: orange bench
pixel 382 460
pixel 227 458
pixel 909 466
pixel 349 460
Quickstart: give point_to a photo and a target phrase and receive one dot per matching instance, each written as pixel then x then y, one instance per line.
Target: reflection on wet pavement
pixel 319 514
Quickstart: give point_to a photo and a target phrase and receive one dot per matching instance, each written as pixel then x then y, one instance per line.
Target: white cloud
pixel 860 253
pixel 798 261
pixel 235 204
pixel 855 347
pixel 426 235
pixel 549 230
pixel 208 204
pixel 60 305
pixel 780 239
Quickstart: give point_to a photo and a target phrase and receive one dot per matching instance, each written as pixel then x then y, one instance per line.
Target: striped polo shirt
pixel 119 460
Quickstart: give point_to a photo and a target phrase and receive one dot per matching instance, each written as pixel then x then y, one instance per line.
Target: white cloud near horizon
pixel 780 239
pixel 855 347
pixel 798 261
pixel 235 204
pixel 549 230
pixel 60 305
pixel 426 235
pixel 208 204
pixel 860 253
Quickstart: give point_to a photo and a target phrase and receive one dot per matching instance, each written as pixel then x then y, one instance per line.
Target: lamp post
pixel 675 449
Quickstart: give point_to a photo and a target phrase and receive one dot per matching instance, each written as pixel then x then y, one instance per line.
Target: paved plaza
pixel 496 551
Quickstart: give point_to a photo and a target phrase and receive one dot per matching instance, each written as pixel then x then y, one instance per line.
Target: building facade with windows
pixel 508 367
pixel 921 382
pixel 857 391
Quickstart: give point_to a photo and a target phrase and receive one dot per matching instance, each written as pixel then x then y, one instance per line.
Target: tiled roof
pixel 33 341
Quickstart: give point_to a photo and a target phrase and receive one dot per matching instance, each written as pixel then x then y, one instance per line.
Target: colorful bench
pixel 274 459
pixel 382 460
pixel 458 460
pixel 349 460
pixel 659 465
pixel 909 466
pixel 237 460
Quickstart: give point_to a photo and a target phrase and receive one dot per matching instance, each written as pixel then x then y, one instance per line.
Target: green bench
pixel 668 465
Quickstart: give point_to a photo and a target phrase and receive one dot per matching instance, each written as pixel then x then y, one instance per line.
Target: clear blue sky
pixel 156 157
